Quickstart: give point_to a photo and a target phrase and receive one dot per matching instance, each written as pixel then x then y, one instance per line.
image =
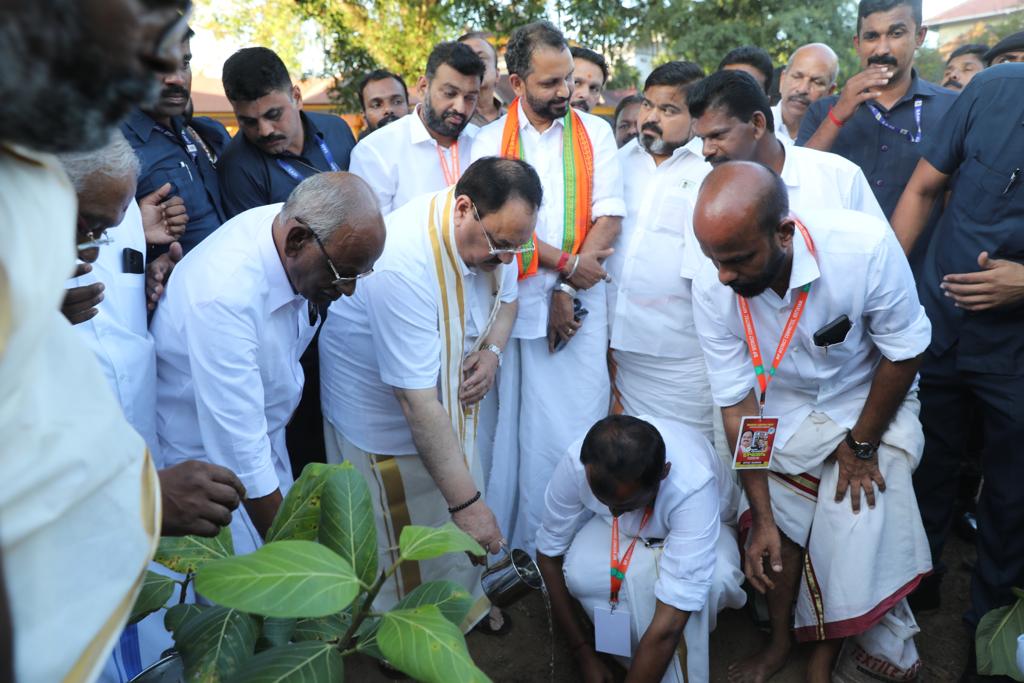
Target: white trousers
pixel 586 575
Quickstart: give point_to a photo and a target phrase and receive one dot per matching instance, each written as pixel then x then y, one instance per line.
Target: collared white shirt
pixel 543 151
pixel 697 496
pixel 860 272
pixel 649 304
pixel 386 335
pixel 781 132
pixel 119 332
pixel 229 333
pixel 400 161
pixel 814 180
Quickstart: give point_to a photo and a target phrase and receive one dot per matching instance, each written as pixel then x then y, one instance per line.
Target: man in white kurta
pixel 695 568
pixel 425 151
pixel 237 314
pixel 548 398
pixel 657 365
pixel 846 404
pixel 405 361
pixel 810 74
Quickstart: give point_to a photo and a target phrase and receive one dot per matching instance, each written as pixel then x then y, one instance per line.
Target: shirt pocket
pixel 186 184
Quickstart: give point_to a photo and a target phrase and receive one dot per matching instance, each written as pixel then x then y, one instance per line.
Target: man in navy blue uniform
pixel 278 145
pixel 178 155
pixel 972 287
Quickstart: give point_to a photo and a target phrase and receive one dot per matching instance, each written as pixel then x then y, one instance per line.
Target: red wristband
pixel 834 119
pixel 562 260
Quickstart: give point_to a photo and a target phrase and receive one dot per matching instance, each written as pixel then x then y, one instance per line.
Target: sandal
pixel 484 626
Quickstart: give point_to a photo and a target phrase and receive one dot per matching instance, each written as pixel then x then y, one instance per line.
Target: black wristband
pixel 463 506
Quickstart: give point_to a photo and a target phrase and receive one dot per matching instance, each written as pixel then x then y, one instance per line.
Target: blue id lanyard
pixel 290 170
pixel 880 117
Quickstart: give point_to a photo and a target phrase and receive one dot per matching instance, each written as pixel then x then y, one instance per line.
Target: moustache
pixel 883 59
pixel 453 116
pixel 717 159
pixel 271 138
pixel 386 119
pixel 174 91
pixel 802 99
pixel 955 85
pixel 652 128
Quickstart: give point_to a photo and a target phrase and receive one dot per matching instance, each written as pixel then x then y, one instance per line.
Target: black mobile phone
pixel 833 333
pixel 132 261
pixel 579 313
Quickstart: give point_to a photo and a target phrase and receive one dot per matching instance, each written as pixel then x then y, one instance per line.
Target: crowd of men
pixel 765 341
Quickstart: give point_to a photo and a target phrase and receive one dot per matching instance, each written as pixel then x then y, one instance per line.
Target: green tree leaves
pixel 425 645
pixel 282 579
pixel 298 518
pixel 214 642
pixel 348 527
pixel 185 554
pixel 425 543
pixel 156 591
pixel 996 639
pixel 308 662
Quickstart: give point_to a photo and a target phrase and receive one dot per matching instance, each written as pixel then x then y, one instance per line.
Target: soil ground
pixel 524 655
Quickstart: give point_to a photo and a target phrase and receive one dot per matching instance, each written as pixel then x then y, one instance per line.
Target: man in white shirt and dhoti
pixel 406 361
pixel 237 314
pixel 657 366
pixel 427 150
pixel 658 481
pixel 554 382
pixel 833 295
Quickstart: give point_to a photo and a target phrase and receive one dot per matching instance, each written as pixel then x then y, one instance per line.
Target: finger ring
pixel 607 277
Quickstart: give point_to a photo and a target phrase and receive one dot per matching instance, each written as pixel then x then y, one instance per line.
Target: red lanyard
pixel 451 174
pixel 788 331
pixel 618 570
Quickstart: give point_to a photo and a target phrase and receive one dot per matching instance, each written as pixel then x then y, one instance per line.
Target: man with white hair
pixel 810 74
pixel 237 315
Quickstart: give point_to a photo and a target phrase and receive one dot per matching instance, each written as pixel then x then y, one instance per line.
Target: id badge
pixel 755 443
pixel 611 632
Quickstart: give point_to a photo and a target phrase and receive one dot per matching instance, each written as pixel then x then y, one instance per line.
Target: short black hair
pixel 595 58
pixel 252 72
pixel 378 75
pixel 458 56
pixel 525 40
pixel 625 102
pixel 968 49
pixel 484 36
pixel 490 182
pixel 625 449
pixel 736 91
pixel 868 7
pixel 680 74
pixel 754 56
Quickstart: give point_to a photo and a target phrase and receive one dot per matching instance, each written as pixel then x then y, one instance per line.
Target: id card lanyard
pixel 913 137
pixel 451 174
pixel 765 376
pixel 619 567
pixel 290 170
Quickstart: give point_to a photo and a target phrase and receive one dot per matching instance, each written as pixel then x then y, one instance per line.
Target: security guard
pixel 972 287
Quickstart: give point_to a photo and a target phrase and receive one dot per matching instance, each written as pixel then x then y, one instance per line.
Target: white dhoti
pixel 589 584
pixel 546 401
pixel 856 566
pixel 673 388
pixel 403 493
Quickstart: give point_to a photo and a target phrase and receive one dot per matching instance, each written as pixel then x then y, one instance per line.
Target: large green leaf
pixel 281 579
pixel 275 632
pixel 426 646
pixel 331 627
pixel 214 642
pixel 347 525
pixel 425 543
pixel 156 591
pixel 186 554
pixel 996 639
pixel 450 598
pixel 298 518
pixel 309 662
pixel 177 614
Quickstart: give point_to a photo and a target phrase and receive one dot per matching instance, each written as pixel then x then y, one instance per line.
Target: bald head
pixel 816 53
pixel 741 222
pixel 809 75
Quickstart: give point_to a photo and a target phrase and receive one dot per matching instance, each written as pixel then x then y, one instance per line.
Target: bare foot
pixel 496 618
pixel 759 667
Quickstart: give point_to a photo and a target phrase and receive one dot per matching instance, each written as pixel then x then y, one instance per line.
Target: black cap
pixel 1007 44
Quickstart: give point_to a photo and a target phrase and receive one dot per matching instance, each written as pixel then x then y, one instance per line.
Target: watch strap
pixel 864 450
pixel 493 348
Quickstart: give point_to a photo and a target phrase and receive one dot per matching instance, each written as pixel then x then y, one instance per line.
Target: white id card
pixel 611 632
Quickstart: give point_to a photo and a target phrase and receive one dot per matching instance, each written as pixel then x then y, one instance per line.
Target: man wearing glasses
pixel 237 315
pixel 408 359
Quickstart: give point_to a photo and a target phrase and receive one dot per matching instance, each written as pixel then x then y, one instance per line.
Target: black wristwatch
pixel 864 450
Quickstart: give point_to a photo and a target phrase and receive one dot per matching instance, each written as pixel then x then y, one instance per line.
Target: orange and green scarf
pixel 578 176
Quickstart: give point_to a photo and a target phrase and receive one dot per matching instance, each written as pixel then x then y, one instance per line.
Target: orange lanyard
pixel 451 173
pixel 763 377
pixel 618 570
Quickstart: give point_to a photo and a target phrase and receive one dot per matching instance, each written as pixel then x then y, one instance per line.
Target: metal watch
pixel 565 288
pixel 864 450
pixel 493 348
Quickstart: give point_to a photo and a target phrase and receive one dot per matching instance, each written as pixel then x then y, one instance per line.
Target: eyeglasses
pixel 495 251
pixel 338 280
pixel 91 237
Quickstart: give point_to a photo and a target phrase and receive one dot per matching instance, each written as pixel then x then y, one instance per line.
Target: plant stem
pixel 366 607
pixel 184 588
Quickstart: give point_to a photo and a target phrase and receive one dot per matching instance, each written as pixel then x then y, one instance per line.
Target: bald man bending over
pixel 844 394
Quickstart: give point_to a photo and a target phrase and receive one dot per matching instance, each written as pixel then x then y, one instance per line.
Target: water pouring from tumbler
pixel 511 577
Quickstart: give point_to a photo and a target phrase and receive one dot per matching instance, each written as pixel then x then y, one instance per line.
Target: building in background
pixel 975 21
